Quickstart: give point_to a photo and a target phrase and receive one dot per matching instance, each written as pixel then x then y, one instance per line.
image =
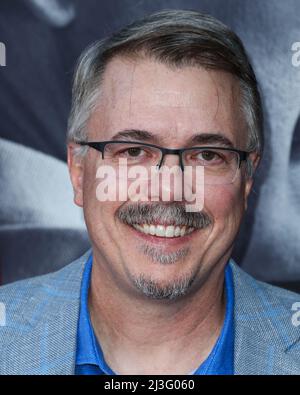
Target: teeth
pixel 140 228
pixel 163 231
pixel 177 231
pixel 160 231
pixel 170 231
pixel 151 230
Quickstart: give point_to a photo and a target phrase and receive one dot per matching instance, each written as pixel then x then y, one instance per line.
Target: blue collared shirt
pixel 89 356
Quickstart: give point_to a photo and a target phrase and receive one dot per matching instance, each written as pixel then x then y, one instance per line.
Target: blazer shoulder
pixel 267 331
pixel 30 286
pixel 39 322
pixel 264 290
pixel 25 302
pixel 269 310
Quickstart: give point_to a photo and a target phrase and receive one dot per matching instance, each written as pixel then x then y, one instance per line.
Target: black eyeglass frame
pixel 100 146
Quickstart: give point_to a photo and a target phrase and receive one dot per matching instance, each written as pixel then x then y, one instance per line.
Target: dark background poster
pixel 40 228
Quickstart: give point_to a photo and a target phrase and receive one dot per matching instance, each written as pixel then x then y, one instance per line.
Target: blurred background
pixel 40 228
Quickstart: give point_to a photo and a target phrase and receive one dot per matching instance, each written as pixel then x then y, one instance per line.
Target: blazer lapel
pixel 45 336
pixel 266 341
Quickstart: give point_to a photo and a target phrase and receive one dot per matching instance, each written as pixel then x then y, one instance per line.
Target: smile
pixel 164 231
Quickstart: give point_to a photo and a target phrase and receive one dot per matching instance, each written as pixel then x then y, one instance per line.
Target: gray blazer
pixel 39 336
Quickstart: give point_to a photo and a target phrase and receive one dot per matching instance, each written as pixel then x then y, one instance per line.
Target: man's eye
pixel 134 151
pixel 131 152
pixel 208 156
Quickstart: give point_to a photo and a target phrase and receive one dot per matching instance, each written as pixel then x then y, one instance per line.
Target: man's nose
pixel 171 160
pixel 170 179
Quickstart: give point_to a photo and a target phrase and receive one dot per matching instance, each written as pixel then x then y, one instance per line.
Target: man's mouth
pixel 163 231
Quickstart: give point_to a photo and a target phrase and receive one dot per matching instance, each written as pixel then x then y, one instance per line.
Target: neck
pixel 144 336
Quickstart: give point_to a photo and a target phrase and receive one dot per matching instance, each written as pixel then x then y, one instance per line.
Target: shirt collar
pixel 221 359
pixel 88 349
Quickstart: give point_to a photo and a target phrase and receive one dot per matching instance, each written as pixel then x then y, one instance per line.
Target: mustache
pixel 162 213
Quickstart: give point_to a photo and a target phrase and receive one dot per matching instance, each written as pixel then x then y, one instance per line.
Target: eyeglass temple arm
pixel 97 146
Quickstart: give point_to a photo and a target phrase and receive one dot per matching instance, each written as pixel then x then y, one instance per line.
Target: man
pixel 158 293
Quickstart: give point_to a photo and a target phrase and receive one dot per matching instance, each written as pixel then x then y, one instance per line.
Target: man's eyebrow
pixel 135 134
pixel 212 139
pixel 199 139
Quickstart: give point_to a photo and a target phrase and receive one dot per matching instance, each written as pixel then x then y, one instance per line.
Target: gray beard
pixel 154 290
pixel 157 256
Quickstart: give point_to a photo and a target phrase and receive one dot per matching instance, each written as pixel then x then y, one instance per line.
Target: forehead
pixel 168 102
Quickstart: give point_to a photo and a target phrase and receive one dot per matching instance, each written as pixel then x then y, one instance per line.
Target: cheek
pixel 224 202
pixel 99 208
pixel 100 222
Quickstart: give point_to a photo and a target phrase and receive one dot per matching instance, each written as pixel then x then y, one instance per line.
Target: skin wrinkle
pixel 184 328
pixel 171 95
pixel 142 340
pixel 217 95
pixel 131 85
pixel 162 320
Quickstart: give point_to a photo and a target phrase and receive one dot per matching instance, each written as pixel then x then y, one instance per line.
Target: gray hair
pixel 177 38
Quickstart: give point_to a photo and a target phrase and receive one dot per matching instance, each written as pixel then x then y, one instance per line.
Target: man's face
pixel 173 105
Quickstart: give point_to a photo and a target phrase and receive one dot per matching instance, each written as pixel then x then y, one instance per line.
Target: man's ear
pixel 254 159
pixel 76 170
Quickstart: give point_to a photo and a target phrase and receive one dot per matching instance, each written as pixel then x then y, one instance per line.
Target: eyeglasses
pixel 220 165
